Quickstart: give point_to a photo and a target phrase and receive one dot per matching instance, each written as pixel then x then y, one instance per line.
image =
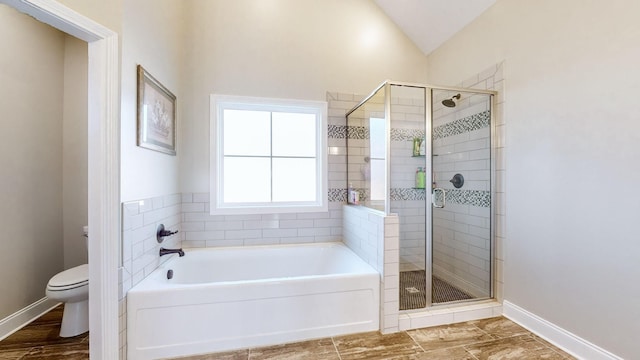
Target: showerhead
pixel 449 102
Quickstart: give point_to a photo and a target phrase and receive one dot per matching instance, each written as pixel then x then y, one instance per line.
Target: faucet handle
pixel 161 233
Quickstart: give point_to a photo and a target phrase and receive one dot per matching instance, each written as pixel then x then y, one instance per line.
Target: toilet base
pixel 75 318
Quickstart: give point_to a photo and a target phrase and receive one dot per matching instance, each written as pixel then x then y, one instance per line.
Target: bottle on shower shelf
pixel 423 147
pixel 353 197
pixel 420 178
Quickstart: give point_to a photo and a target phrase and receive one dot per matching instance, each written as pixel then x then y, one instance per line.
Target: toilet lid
pixel 73 276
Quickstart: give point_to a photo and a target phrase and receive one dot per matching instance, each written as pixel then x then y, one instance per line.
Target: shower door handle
pixel 444 198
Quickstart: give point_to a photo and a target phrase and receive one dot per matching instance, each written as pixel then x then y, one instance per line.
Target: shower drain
pixel 412 290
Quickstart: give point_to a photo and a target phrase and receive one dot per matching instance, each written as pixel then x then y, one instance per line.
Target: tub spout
pixel 164 251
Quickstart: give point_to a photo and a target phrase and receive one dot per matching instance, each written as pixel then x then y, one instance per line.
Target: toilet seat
pixel 70 279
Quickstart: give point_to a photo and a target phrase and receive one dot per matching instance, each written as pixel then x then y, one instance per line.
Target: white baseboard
pixel 574 345
pixel 19 319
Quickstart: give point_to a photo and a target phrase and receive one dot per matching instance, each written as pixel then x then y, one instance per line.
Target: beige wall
pixel 74 151
pixel 284 49
pixel 572 135
pixel 152 36
pixel 105 12
pixel 31 83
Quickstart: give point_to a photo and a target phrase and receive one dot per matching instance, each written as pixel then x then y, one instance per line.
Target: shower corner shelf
pixel 418 156
pixel 417 188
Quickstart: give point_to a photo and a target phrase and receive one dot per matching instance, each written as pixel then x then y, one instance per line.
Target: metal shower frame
pixel 428 91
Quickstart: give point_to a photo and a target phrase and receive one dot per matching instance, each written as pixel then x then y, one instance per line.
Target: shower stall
pixel 425 154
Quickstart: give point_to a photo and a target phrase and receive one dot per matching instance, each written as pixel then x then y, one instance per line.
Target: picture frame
pixel 156 114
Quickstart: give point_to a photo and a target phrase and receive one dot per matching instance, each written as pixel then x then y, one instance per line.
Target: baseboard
pixel 19 319
pixel 574 345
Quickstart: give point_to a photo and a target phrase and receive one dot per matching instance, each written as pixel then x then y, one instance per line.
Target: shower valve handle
pixel 161 233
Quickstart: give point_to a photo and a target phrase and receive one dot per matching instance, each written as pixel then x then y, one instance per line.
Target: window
pixel 267 155
pixel 378 148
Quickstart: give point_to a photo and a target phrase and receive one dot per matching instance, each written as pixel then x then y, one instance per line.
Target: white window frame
pixel 218 104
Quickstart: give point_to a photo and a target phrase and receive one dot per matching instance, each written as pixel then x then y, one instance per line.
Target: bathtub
pixel 231 298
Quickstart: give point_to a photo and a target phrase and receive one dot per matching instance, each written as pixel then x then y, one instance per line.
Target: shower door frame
pixel 428 125
pixel 492 191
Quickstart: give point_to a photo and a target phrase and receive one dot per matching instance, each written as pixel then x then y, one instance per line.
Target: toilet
pixel 72 288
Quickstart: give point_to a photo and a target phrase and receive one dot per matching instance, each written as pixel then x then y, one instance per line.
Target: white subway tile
pixel 204 235
pixel 422 320
pixel 242 234
pixel 157 202
pixel 201 197
pixel 392 281
pixel 391 308
pixel 294 224
pixel 391 322
pixel 261 224
pixel 279 233
pixel 267 217
pixel 224 225
pixel 192 226
pixel 193 207
pixel 297 240
pixel 201 216
pixel 328 238
pixel 314 232
pixel 314 215
pixel 193 244
pixel 187 197
pixel 224 243
pixel 261 241
pixel 327 222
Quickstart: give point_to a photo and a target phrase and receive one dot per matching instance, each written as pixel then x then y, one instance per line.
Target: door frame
pixel 103 165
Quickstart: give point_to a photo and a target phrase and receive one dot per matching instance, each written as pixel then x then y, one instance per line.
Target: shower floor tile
pixel 413 290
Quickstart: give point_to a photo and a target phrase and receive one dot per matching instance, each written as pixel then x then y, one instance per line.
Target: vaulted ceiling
pixel 429 23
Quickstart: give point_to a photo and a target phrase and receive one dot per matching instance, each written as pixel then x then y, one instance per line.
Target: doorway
pixel 103 169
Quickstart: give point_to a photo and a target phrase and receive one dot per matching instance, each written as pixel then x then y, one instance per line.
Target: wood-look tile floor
pixel 494 338
pixel 40 340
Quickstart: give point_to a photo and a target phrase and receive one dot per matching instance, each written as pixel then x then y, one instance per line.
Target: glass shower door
pixel 460 196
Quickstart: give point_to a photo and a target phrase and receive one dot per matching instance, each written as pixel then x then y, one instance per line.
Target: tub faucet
pixel 164 251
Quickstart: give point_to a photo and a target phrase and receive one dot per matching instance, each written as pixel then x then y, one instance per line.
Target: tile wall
pixel 461 139
pixel 408 201
pixel 489 79
pixel 360 149
pixel 140 249
pixel 461 230
pixel 375 236
pixel 201 229
pixel 189 213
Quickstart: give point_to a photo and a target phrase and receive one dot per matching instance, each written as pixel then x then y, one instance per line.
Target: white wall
pixel 152 36
pixel 74 151
pixel 285 49
pixel 572 135
pixel 31 88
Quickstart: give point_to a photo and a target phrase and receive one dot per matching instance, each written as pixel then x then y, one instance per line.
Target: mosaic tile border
pixel 337 195
pixel 408 194
pixel 337 132
pixel 358 132
pixel 478 198
pixel 340 195
pixel 470 123
pixel 406 134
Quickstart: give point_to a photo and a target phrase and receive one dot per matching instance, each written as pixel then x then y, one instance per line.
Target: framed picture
pixel 156 114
